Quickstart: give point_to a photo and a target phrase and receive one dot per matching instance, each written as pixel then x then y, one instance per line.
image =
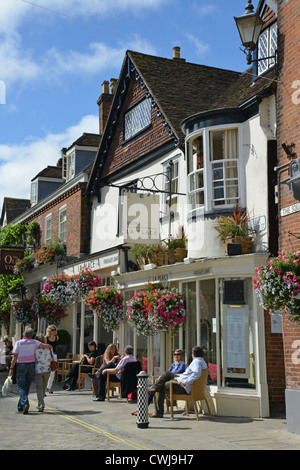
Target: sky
pixel 55 54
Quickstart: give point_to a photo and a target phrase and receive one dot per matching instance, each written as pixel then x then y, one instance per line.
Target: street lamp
pixel 249 26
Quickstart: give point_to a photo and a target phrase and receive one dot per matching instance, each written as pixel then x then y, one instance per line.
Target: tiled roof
pixel 182 88
pixel 14 207
pixel 50 172
pixel 87 140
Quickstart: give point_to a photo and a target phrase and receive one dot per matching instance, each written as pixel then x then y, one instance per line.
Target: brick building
pixel 288 138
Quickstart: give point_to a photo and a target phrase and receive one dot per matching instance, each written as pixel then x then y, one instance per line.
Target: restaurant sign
pixel 9 258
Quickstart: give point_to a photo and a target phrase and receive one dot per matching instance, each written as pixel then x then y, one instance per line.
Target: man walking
pixel 185 380
pixel 24 355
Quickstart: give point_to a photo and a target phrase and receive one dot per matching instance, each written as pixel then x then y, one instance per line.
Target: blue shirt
pixel 192 373
pixel 177 367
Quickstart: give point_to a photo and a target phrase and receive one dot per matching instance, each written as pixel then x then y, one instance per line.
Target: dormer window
pixel 69 166
pixel 137 119
pixel 266 48
pixel 33 196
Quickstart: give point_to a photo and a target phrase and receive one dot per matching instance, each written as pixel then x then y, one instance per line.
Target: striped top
pixel 25 349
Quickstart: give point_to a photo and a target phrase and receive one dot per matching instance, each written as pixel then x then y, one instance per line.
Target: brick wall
pixel 77 219
pixel 275 369
pixel 123 154
pixel 288 120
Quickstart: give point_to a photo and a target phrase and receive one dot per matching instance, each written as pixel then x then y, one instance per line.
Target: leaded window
pixel 137 119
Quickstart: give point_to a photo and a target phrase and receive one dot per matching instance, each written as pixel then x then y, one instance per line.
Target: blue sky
pixel 52 66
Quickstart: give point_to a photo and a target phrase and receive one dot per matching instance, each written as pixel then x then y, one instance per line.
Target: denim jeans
pixel 25 375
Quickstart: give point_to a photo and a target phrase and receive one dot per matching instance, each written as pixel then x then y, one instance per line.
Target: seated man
pixel 177 367
pixel 117 371
pixel 185 380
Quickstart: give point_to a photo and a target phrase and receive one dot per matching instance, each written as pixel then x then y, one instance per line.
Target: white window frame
pixel 34 192
pixel 48 220
pixel 266 48
pixel 176 180
pixel 208 170
pixel 62 224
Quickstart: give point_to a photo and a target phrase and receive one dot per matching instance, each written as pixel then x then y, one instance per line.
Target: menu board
pixel 236 341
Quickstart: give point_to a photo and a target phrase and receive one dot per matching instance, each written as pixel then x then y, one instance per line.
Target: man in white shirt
pixel 185 380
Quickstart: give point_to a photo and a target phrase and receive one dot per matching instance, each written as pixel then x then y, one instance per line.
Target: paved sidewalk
pixel 73 421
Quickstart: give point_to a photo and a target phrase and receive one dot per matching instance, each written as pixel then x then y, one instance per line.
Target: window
pixel 48 228
pixel 171 185
pixel 69 166
pixel 196 174
pixel 34 193
pixel 213 169
pixel 137 119
pixel 224 167
pixel 267 46
pixel 62 228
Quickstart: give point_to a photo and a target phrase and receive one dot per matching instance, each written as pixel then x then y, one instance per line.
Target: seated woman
pixel 88 359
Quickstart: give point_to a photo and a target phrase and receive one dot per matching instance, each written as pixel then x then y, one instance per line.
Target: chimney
pixel 176 54
pixel 104 102
pixel 113 85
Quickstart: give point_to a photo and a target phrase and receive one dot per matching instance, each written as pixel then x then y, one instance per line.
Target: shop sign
pixel 8 260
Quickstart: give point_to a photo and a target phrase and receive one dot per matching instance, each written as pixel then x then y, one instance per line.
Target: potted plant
pixel 176 246
pixel 235 229
pixel 143 253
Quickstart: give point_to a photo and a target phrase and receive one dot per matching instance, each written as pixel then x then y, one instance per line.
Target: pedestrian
pixel 185 380
pixel 88 359
pixel 42 371
pixel 52 338
pixel 24 355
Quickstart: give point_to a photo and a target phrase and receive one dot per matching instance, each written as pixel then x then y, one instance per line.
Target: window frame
pixel 165 195
pixel 48 219
pixel 208 205
pixel 61 232
pixel 265 61
pixel 134 108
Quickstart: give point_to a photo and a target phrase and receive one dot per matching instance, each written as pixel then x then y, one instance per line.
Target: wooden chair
pixel 64 366
pixel 112 385
pixel 198 393
pixel 85 369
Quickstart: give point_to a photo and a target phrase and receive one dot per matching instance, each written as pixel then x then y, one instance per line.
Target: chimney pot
pixel 176 52
pixel 105 87
pixel 113 85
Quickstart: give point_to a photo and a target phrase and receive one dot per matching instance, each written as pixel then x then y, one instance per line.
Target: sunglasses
pixel 177 354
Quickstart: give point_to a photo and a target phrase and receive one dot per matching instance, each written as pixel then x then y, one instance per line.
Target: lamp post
pixel 249 26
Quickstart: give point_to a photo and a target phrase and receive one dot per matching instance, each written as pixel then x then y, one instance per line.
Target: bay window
pixel 213 169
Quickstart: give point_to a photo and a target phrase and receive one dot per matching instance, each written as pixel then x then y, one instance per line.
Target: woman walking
pixel 52 339
pixel 42 371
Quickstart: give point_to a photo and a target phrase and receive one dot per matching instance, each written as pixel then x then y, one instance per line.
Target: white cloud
pixel 22 162
pixel 201 48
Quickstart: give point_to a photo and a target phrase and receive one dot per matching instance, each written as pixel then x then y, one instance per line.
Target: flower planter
pixel 161 258
pixel 246 243
pixel 180 254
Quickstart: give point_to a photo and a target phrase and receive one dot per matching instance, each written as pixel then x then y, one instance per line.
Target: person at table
pixel 88 359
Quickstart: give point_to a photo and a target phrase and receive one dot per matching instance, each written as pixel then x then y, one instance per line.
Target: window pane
pixel 137 118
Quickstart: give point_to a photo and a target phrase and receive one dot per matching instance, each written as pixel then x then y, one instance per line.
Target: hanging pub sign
pixel 8 259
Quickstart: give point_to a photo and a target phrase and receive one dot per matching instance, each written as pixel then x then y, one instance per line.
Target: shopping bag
pixel 6 388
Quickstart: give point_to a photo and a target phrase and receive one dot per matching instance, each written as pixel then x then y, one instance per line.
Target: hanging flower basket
pixel 138 313
pixel 156 310
pixel 166 310
pixel 107 303
pixel 60 290
pixel 44 307
pixel 277 284
pixel 84 282
pixel 23 312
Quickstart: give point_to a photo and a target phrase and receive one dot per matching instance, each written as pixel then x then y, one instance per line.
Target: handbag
pixel 53 364
pixel 6 388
